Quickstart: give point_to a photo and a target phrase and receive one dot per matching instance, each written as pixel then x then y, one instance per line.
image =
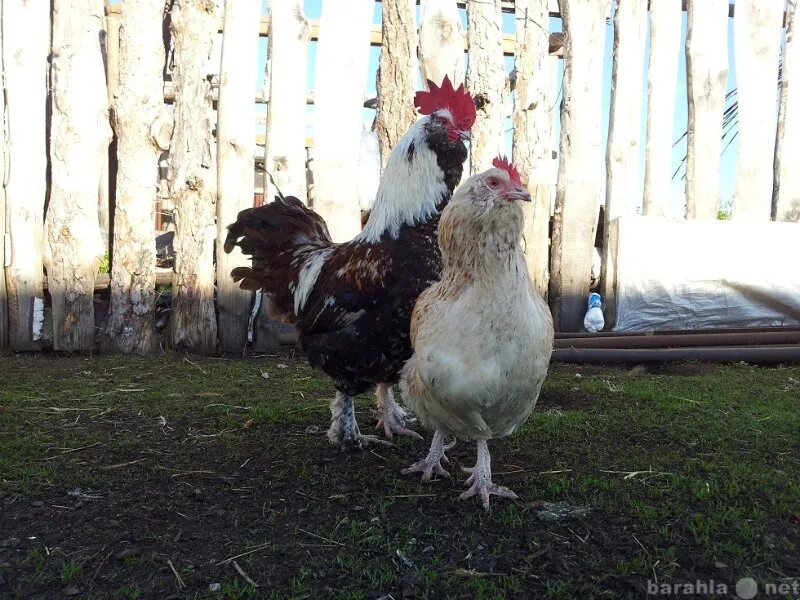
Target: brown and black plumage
pixel 351 302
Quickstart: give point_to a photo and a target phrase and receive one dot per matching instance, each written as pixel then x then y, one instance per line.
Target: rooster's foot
pixel 344 429
pixel 391 416
pixel 480 481
pixel 359 442
pixel 432 463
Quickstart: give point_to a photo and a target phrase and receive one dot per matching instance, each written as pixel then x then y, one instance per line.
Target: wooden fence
pixel 70 72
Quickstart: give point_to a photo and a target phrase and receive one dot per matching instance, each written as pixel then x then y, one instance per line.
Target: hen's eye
pixel 493 182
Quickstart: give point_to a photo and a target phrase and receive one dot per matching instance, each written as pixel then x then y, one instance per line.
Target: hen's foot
pixel 344 429
pixel 432 463
pixel 480 481
pixel 391 416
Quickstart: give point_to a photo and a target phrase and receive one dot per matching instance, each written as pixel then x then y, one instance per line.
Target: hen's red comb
pixel 501 162
pixel 457 101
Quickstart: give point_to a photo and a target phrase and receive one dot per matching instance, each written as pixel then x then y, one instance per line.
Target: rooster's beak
pixel 465 135
pixel 518 194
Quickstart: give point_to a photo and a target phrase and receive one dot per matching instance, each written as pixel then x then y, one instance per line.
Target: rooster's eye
pixel 493 182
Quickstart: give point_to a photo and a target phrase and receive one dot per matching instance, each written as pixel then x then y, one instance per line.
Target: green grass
pixel 70 571
pixel 680 472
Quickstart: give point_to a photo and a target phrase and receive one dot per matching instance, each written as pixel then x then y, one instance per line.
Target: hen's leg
pixel 344 428
pixel 480 481
pixel 433 462
pixel 391 416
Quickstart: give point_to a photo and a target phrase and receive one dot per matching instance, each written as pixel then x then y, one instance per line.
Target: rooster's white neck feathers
pixel 411 187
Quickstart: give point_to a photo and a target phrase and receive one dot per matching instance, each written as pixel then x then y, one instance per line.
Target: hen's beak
pixel 465 135
pixel 518 194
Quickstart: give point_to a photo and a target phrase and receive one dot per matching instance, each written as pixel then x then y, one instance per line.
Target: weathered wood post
pixel 580 170
pixel 757 38
pixel 532 128
pixel 286 114
pixel 235 160
pixel 3 133
pixel 622 153
pixel 662 84
pixel 342 59
pixel 486 81
pixel 26 45
pixel 79 138
pixel 786 193
pixel 192 182
pixel 706 74
pixel 396 74
pixel 143 130
pixel 441 42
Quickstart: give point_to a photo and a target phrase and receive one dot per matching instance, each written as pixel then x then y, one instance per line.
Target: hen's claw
pixel 480 481
pixel 485 489
pixel 428 468
pixel 432 463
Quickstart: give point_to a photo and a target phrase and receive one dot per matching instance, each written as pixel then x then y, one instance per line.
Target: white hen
pixel 482 338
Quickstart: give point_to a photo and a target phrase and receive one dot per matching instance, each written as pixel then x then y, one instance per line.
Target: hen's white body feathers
pixel 482 337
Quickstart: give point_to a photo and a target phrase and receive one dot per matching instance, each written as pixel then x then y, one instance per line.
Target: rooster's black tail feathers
pixel 279 237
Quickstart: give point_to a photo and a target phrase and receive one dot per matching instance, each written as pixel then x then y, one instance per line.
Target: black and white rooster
pixel 352 302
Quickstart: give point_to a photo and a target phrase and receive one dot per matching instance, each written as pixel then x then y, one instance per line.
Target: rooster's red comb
pixel 501 162
pixel 457 101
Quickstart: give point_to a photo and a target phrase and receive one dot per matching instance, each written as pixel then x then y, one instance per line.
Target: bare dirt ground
pixel 181 477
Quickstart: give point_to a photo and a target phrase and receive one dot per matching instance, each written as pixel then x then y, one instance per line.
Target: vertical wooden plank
pixel 286 118
pixel 3 164
pixel 342 60
pixel 662 84
pixel 79 137
pixel 624 126
pixel 396 74
pixel 486 81
pixel 533 101
pixel 609 281
pixel 441 42
pixel 786 195
pixel 706 75
pixel 622 152
pixel 192 180
pixel 140 124
pixel 26 45
pixel 757 38
pixel 113 23
pixel 235 160
pixel 580 171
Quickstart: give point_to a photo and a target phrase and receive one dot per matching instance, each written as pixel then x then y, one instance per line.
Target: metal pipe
pixel 564 336
pixel 752 354
pixel 752 338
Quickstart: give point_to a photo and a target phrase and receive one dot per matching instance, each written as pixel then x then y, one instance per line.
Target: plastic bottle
pixel 593 320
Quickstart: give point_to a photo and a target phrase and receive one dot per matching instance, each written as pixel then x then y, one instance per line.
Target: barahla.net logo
pixel 746 588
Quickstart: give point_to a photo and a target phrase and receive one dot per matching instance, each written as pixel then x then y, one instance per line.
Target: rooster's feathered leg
pixel 480 481
pixel 391 416
pixel 433 462
pixel 344 427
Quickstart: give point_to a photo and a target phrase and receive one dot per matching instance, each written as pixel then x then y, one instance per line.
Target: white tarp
pixel 705 274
